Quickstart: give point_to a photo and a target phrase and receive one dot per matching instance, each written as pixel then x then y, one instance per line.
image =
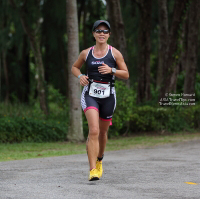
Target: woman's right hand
pixel 84 80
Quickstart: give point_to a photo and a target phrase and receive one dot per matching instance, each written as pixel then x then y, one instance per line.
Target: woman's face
pixel 101 37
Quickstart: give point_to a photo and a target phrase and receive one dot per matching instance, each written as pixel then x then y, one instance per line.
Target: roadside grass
pixel 20 151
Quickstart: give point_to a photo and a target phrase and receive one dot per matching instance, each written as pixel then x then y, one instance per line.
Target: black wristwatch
pixel 113 71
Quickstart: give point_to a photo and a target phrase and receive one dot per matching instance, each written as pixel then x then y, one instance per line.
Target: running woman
pixel 98 99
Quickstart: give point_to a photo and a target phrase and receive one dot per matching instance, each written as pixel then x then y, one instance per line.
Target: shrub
pixel 148 118
pixel 20 129
pixel 22 123
pixel 126 99
pixel 28 123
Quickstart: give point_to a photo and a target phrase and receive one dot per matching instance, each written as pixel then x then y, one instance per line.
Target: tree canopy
pixel 157 64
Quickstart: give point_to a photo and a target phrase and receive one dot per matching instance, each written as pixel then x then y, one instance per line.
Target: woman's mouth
pixel 101 38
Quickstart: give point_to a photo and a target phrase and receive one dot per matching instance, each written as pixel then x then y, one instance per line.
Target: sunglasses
pixel 100 31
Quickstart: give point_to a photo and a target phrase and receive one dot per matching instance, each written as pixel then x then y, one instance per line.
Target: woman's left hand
pixel 104 69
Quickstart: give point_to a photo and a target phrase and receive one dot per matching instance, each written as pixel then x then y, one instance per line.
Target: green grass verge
pixel 22 151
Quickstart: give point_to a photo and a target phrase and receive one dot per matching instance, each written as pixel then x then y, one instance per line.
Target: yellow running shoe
pixel 93 175
pixel 99 168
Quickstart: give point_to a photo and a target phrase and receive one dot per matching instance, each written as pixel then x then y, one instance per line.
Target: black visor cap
pixel 97 23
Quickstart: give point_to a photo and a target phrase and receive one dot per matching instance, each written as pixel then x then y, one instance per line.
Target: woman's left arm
pixel 122 71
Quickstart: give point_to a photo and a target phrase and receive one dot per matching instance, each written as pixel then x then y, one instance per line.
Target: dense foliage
pixel 21 118
pixel 22 123
pixel 22 129
pixel 15 44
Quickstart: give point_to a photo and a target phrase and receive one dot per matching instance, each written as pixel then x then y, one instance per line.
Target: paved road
pixel 160 172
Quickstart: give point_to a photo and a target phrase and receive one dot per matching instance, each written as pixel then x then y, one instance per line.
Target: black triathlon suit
pixel 105 106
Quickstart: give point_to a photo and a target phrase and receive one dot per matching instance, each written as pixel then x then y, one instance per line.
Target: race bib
pixel 99 90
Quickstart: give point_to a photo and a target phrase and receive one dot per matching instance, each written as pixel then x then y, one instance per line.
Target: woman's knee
pixel 103 133
pixel 93 132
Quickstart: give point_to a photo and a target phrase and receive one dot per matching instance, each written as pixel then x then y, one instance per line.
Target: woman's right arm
pixel 77 66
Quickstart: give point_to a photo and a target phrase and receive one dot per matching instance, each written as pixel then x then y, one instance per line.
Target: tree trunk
pixel 35 44
pixel 163 39
pixel 5 67
pixel 41 84
pixel 173 79
pixel 181 58
pixel 3 25
pixel 85 28
pixel 185 43
pixel 75 132
pixel 144 51
pixel 192 46
pixel 25 79
pixel 173 50
pixel 62 53
pixel 118 39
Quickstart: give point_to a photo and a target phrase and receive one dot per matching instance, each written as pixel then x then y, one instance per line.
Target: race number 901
pixel 98 91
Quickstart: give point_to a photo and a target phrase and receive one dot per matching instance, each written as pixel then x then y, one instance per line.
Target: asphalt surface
pixel 160 172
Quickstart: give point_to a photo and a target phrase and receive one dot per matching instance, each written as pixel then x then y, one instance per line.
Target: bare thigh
pixel 103 126
pixel 93 121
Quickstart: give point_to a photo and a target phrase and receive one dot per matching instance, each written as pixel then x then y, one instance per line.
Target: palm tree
pixel 192 46
pixel 34 38
pixel 75 132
